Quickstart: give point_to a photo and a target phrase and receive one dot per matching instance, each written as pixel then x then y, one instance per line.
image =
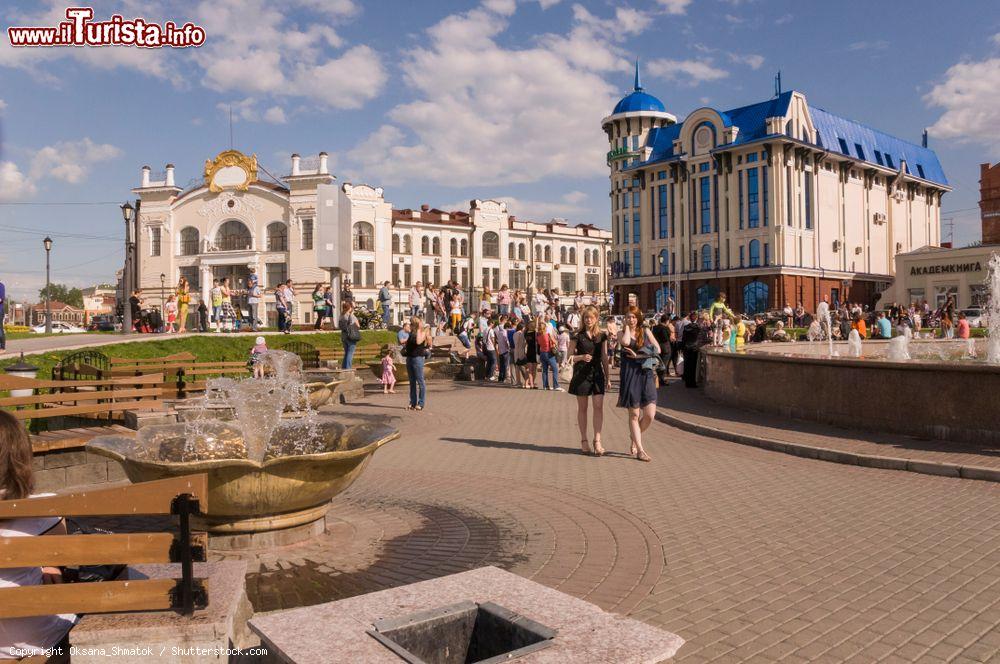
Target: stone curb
pixel 832 455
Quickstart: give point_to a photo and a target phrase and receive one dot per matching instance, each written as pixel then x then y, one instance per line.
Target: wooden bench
pixel 366 353
pixel 96 401
pixel 180 496
pixel 182 373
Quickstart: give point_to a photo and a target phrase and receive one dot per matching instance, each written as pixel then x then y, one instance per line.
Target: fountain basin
pixel 247 496
pixel 945 400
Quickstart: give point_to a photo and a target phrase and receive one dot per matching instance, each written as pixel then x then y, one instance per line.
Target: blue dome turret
pixel 638 100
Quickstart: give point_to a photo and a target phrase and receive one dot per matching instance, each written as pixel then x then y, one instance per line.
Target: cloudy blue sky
pixel 443 101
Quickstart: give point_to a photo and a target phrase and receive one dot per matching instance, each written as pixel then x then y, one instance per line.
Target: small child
pixel 170 309
pixel 388 373
pixel 257 357
pixel 562 345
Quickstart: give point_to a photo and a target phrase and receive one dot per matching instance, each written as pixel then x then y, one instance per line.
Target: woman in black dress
pixel 588 352
pixel 530 355
pixel 636 387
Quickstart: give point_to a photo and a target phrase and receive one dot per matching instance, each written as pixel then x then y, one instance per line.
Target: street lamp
pixel 48 297
pixel 663 295
pixel 163 298
pixel 127 212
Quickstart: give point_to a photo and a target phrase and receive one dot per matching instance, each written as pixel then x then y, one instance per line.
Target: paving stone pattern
pixel 750 555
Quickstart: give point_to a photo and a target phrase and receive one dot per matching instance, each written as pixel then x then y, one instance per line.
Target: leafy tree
pixel 63 293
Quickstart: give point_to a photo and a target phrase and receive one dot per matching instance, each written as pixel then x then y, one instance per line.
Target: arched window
pixel 511 251
pixel 538 253
pixel 521 252
pixel 664 260
pixel 548 254
pixel 436 246
pixel 407 245
pixel 364 236
pixel 453 246
pixel 233 236
pixel 425 245
pixel 608 257
pixel 277 237
pixel 562 254
pixel 572 255
pixel 754 253
pixel 789 129
pixel 706 295
pixel 755 298
pixel 464 250
pixel 190 240
pixel 706 257
pixel 395 243
pixel 491 245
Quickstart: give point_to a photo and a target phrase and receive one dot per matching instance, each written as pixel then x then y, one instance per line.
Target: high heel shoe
pixel 585 447
pixel 642 456
pixel 598 449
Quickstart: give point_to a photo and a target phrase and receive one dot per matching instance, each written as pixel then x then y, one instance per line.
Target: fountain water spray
pixel 993 310
pixel 854 343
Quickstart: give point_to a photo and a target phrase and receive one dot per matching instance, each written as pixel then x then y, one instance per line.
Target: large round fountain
pixel 935 388
pixel 272 461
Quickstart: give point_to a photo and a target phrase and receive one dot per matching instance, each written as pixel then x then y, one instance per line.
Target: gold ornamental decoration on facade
pixel 231 169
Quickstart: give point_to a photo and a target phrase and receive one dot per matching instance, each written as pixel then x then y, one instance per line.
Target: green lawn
pixel 206 348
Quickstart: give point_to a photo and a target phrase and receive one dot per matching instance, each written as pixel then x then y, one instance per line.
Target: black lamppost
pixel 663 295
pixel 127 212
pixel 163 298
pixel 48 298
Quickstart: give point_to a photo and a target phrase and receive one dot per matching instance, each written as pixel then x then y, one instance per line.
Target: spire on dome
pixel 638 83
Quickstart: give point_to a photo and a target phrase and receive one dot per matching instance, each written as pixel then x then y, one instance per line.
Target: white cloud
pixel 691 71
pixel 734 20
pixel 970 97
pixel 275 115
pixel 70 161
pixel 996 39
pixel 783 19
pixel 3 105
pixel 568 206
pixel 13 183
pixel 485 114
pixel 752 60
pixel 674 6
pixel 548 3
pixel 502 7
pixel 876 45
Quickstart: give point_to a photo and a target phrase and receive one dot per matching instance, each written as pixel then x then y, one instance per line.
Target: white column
pixel 170 175
pixel 295 164
pixel 206 285
pixel 323 163
pixel 144 181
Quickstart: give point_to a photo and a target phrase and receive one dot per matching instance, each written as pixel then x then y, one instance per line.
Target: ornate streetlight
pixel 48 296
pixel 163 299
pixel 127 323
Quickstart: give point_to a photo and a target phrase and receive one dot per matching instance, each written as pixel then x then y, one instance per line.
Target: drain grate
pixel 463 633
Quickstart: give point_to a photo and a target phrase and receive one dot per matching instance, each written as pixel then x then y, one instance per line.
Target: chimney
pixel 144 182
pixel 425 207
pixel 323 165
pixel 170 175
pixel 923 140
pixel 295 164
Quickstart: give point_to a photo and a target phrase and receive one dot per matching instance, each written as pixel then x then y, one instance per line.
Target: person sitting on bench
pixel 20 637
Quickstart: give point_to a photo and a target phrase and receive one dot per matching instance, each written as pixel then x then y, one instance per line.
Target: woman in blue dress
pixel 636 386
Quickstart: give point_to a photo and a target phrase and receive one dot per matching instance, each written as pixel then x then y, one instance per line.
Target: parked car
pixel 975 316
pixel 59 327
pixel 102 323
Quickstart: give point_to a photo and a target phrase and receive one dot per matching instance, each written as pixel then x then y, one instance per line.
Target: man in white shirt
pixel 502 345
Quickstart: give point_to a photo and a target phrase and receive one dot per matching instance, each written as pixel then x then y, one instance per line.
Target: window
pixel 518 279
pixel 706 257
pixel 572 255
pixel 307 234
pixel 395 243
pixel 888 160
pixel 739 178
pixel 627 267
pixel 878 158
pixel 751 157
pixel 706 205
pixel 562 254
pixel 436 246
pixel 742 256
pixel 754 253
pixel 407 275
pixel 843 147
pixel 521 253
pixel 454 273
pixel 860 151
pixel 276 273
pixel 788 194
pixel 277 236
pixel 663 217
pixel 706 295
pixel 636 263
pixel 193 275
pixel 664 261
pixel 491 245
pixel 807 192
pixel 395 274
pixel 624 234
pixel 425 274
pixel 764 179
pixel 453 246
pixel 755 298
pixel 547 252
pixel 753 212
pixel 767 253
pixel 425 245
pixel 486 277
pixel 155 235
pixel 190 239
pixel 636 228
pixel 233 236
pixel 358 274
pixel 635 199
pixel 407 245
pixel 369 274
pixel 592 283
pixel 364 236
pixel 661 175
pixel 511 251
pixel 920 170
pixel 463 248
pixel 543 279
pixel 567 282
pixel 538 253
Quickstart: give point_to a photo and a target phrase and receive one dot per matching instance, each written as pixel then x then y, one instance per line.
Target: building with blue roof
pixel 775 202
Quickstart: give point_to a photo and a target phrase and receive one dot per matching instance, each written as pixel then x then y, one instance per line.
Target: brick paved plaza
pixel 750 555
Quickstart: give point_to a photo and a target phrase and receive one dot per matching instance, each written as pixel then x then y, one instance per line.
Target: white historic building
pixel 231 221
pixel 775 202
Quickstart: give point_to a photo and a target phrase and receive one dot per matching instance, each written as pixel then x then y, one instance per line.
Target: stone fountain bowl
pixel 320 392
pixel 290 487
